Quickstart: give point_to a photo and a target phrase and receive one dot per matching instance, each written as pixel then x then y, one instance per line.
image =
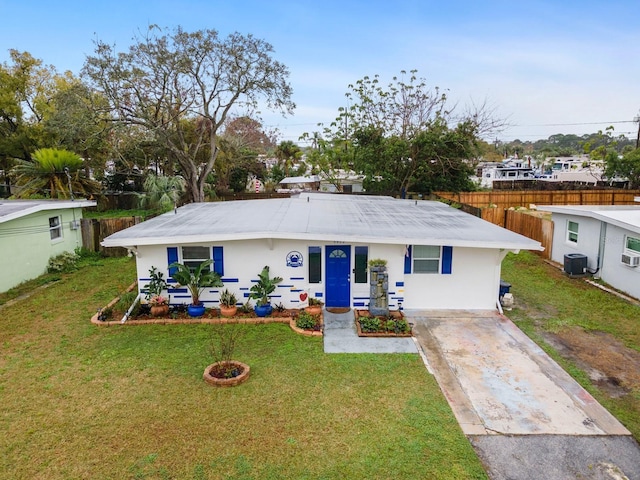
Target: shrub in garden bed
pixel 306 321
pixel 391 325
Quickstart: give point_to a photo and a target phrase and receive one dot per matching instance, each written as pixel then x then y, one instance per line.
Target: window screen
pixel 633 244
pixel 192 257
pixel 55 228
pixel 572 231
pixel 426 259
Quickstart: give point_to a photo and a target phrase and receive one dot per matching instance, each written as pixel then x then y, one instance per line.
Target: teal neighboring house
pixel 32 231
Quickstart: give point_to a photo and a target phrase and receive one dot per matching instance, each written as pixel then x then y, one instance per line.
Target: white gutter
pixel 128 314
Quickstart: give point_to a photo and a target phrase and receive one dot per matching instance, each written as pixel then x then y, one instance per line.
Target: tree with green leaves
pixel 53 173
pixel 287 153
pixel 72 121
pixel 404 136
pixel 625 166
pixel 182 86
pixel 26 87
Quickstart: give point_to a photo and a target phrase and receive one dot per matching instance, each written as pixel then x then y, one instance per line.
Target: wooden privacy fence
pixel 534 227
pixel 524 198
pixel 95 230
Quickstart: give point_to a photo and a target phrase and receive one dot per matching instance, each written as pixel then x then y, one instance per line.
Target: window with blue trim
pixel 428 259
pixel 193 256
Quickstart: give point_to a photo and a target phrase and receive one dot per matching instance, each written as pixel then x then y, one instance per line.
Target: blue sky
pixel 547 66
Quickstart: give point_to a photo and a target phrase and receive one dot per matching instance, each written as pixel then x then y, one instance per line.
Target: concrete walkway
pixel 341 336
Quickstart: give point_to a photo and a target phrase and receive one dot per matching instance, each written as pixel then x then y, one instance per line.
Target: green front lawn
pixel 80 401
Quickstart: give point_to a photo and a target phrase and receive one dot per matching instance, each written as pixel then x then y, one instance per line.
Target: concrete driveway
pixel 526 417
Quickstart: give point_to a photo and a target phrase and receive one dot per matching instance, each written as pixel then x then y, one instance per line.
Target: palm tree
pixel 287 154
pixel 162 193
pixel 53 173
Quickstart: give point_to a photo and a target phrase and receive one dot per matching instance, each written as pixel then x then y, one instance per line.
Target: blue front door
pixel 338 268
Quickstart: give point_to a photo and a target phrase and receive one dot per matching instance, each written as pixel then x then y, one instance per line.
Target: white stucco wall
pixel 614 272
pixel 473 283
pixel 26 245
pixel 588 238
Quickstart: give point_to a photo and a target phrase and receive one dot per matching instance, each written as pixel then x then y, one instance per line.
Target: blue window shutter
pixel 447 257
pixel 172 256
pixel 407 260
pixel 218 261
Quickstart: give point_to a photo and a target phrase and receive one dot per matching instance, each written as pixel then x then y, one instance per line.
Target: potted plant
pixel 159 305
pixel 315 306
pixel 157 284
pixel 228 301
pixel 196 281
pixel 261 290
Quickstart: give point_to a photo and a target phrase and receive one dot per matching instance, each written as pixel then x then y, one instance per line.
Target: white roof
pixel 305 179
pixel 12 209
pixel 623 216
pixel 322 217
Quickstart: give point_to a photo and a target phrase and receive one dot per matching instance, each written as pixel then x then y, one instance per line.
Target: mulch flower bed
pixel 393 325
pixel 109 315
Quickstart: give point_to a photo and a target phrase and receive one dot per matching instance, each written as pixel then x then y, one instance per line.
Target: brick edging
pixel 308 333
pixel 172 321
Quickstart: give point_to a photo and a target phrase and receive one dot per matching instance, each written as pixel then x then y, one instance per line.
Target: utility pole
pixel 637 120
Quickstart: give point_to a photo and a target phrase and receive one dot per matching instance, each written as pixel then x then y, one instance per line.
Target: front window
pixel 572 231
pixel 55 228
pixel 426 259
pixel 192 257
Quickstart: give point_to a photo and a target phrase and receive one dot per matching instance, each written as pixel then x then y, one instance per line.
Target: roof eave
pixel 48 206
pixel 195 239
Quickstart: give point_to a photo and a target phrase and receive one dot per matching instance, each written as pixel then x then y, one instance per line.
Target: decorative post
pixel 378 288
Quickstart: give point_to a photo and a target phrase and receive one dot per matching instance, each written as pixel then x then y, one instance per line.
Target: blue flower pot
pixel 263 310
pixel 195 310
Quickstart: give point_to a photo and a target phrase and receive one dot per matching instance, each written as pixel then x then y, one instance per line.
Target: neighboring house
pixel 508 170
pixel 608 236
pixel 342 181
pixel 298 184
pixel 32 231
pixel 438 257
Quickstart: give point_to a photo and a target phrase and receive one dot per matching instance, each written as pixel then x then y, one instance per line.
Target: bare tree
pixel 182 86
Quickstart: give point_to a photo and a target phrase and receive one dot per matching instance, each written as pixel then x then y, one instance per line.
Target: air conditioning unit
pixel 630 259
pixel 575 264
pixel 74 224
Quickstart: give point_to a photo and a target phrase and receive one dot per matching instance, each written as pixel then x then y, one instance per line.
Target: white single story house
pixel 608 236
pixel 298 184
pixel 33 231
pixel 341 181
pixel 320 244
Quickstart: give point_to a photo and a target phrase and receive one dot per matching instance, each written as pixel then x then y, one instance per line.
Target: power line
pixel 568 124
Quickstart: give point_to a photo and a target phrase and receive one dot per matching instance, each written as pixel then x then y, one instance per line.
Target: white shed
pixel 320 244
